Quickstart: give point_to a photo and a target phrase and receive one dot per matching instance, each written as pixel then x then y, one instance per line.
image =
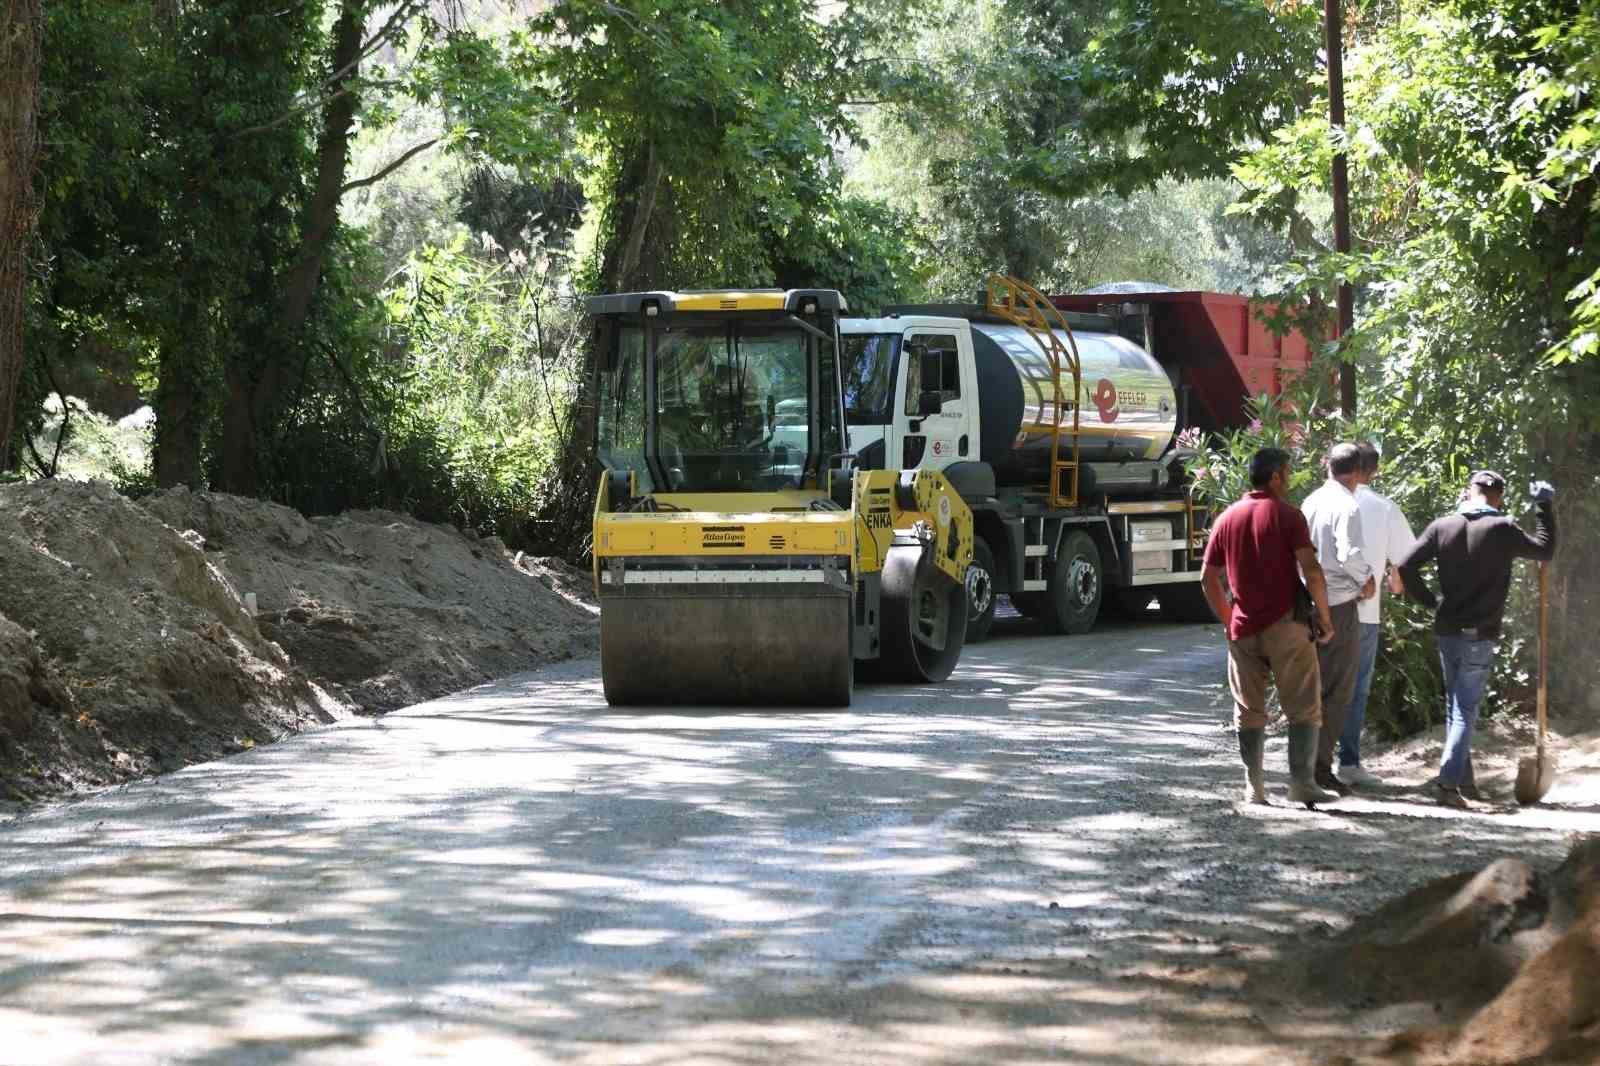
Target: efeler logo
pixel 1105 398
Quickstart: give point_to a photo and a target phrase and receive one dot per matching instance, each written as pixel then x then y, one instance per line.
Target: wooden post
pixel 1334 36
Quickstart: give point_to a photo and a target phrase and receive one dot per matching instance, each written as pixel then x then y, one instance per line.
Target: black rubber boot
pixel 1302 767
pixel 1252 751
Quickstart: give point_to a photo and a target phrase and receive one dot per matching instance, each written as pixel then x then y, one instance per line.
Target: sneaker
pixel 1359 777
pixel 1332 784
pixel 1452 797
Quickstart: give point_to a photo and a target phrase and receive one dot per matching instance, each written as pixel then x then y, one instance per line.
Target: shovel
pixel 1536 775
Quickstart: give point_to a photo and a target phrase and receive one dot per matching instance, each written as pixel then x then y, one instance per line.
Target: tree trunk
pixel 639 231
pixel 178 425
pixel 21 38
pixel 253 394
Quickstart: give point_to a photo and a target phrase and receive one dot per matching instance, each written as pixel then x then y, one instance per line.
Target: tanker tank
pixel 1128 409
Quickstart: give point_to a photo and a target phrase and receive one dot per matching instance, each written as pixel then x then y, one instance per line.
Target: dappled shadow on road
pixel 1040 858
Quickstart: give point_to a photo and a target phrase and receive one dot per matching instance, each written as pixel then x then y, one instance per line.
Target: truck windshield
pixel 732 406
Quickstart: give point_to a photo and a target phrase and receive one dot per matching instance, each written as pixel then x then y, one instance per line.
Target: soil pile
pixel 126 650
pixel 381 609
pixel 1509 957
pixel 129 645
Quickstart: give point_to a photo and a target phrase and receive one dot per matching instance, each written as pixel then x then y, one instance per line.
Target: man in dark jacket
pixel 1475 548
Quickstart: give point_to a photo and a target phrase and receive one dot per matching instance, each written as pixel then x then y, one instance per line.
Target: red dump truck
pixel 1056 417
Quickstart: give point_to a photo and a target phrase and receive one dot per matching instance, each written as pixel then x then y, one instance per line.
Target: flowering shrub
pixel 1219 464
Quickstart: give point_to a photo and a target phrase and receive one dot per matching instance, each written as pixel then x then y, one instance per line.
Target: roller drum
pixel 742 645
pixel 924 619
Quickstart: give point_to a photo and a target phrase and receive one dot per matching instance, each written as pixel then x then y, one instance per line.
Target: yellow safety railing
pixel 1022 305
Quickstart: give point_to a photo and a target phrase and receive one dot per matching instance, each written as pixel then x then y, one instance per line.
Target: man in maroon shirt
pixel 1255 556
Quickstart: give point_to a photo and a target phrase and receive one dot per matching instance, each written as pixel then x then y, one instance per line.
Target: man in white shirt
pixel 1336 534
pixel 1388 537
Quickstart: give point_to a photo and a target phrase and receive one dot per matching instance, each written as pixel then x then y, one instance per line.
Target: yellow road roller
pixel 738 556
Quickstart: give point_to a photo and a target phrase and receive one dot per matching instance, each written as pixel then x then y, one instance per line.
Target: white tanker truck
pixel 1057 427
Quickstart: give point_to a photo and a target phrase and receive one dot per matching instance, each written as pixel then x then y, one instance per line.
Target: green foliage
pixel 867 251
pixel 1219 464
pixel 1164 87
pixel 456 416
pixel 1469 212
pixel 490 346
pixel 717 122
pixel 1560 79
pixel 1011 165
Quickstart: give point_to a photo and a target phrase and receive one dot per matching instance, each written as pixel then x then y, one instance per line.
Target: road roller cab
pixel 738 556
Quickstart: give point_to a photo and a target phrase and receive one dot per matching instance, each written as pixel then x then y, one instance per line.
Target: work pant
pixel 1285 655
pixel 1338 660
pixel 1350 741
pixel 1467 663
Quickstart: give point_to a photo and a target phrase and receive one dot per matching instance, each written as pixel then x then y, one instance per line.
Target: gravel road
pixel 1040 860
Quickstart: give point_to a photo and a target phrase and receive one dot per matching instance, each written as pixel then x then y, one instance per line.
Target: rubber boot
pixel 1302 767
pixel 1252 750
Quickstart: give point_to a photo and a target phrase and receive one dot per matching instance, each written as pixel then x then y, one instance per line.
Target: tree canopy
pixel 337 245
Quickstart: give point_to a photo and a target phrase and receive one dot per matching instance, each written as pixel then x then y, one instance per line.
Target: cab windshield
pixel 732 406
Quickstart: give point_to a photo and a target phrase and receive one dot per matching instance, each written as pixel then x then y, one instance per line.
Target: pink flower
pixel 1255 427
pixel 1199 472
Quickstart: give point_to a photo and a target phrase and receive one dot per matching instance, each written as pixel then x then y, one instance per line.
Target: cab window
pixel 621 407
pixel 869 360
pixel 934 366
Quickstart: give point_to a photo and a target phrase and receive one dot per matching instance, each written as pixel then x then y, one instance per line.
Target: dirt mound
pixel 134 652
pixel 40 723
pixel 140 637
pixel 1509 955
pixel 384 610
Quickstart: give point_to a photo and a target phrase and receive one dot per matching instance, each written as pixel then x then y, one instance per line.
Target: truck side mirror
pixel 929 403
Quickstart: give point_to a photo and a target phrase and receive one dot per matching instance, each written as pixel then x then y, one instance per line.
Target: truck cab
pixel 910 392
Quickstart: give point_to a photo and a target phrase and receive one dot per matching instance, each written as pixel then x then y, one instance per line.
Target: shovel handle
pixel 1544 652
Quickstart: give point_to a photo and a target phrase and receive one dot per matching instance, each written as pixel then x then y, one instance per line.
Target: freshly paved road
pixel 1039 860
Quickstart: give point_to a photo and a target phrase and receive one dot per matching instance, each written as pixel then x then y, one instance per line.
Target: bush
pixel 450 405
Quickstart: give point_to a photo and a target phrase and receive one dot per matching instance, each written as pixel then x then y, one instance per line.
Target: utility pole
pixel 1333 25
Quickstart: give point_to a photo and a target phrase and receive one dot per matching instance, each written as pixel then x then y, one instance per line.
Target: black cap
pixel 1488 481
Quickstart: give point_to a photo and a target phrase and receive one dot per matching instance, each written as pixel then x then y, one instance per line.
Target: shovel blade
pixel 1534 778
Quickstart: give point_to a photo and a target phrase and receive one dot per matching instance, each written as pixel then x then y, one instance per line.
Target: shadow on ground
pixel 1039 859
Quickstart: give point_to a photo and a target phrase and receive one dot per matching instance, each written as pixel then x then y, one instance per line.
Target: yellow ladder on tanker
pixel 1023 305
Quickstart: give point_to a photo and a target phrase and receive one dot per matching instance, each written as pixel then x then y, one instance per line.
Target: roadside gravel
pixel 1041 859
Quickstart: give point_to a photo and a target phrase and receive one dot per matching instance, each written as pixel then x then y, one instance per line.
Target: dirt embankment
pixel 128 644
pixel 1489 968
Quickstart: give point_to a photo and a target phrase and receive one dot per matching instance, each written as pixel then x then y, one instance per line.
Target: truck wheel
pixel 980 592
pixel 1076 584
pixel 1185 603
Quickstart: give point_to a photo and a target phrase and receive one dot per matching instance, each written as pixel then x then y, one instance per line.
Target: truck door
pixel 935 419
